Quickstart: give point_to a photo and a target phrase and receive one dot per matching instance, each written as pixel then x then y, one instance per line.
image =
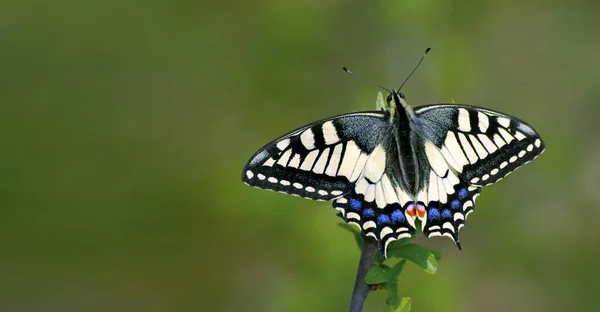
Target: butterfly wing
pixel 351 159
pixel 319 161
pixel 467 148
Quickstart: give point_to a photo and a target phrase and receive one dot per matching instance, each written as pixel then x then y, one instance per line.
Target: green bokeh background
pixel 124 127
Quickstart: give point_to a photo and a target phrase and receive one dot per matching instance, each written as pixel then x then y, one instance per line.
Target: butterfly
pixel 390 170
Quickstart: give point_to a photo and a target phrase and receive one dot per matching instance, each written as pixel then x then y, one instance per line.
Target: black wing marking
pixel 466 148
pixel 319 161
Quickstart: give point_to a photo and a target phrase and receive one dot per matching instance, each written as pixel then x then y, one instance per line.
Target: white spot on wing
pixel 385 231
pixel 308 162
pixel 370 194
pixel 530 147
pixel 485 177
pixel 269 163
pixel 464 124
pixel 360 165
pixel 487 143
pixel 297 185
pixel 467 148
pixel 330 133
pixel 484 121
pixel 284 182
pixel 458 216
pixel 504 122
pixel 353 215
pixel 369 224
pixel 494 171
pixel 521 154
pixel 448 225
pixel 520 136
pixel 513 159
pixel 433 193
pixel 295 162
pixel 249 174
pixel 435 158
pixel 284 158
pixel 388 190
pixel 322 192
pixel 455 151
pixel 379 195
pixel 320 165
pixel 283 144
pixel 272 180
pixel 336 155
pixel 350 157
pixel 498 140
pixel 507 137
pixel 308 139
pixel 261 176
pixel 337 193
pixel 361 186
pixel 538 143
pixel 481 152
pixel 503 164
pixel 375 166
pixel 310 189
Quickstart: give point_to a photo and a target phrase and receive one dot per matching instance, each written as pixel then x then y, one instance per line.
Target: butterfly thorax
pixel 402 118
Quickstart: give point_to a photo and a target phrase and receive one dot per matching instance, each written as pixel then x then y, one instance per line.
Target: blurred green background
pixel 124 127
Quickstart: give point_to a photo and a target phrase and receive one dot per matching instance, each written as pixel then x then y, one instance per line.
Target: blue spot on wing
pixel 383 219
pixel 433 214
pixel 398 216
pixel 368 213
pixel 462 194
pixel 455 204
pixel 446 214
pixel 355 204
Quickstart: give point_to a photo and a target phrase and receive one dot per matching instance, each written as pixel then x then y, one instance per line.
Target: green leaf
pixel 392 298
pixel 379 103
pixel 357 236
pixel 404 305
pixel 394 273
pixel 420 255
pixel 376 275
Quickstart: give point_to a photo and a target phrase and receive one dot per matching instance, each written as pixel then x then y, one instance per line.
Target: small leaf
pixel 379 103
pixel 420 255
pixel 394 273
pixel 404 305
pixel 357 236
pixel 392 298
pixel 376 275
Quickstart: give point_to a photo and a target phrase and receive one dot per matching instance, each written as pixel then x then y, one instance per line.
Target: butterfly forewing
pixel 320 161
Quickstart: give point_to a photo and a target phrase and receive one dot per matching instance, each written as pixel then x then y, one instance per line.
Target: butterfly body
pixel 384 170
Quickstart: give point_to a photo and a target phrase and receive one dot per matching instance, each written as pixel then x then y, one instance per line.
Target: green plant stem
pixel 361 289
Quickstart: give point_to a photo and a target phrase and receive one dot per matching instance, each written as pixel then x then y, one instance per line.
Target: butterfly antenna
pixel 365 80
pixel 412 72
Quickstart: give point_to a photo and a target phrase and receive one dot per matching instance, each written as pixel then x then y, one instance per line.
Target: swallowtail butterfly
pixel 385 169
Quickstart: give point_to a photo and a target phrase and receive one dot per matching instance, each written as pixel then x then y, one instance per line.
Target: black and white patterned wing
pixel 467 148
pixel 350 159
pixel 376 203
pixel 319 161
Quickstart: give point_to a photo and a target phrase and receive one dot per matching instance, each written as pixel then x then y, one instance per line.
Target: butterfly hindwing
pixel 319 161
pixel 377 208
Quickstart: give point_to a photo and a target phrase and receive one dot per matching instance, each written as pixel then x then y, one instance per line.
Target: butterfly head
pixel 396 102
